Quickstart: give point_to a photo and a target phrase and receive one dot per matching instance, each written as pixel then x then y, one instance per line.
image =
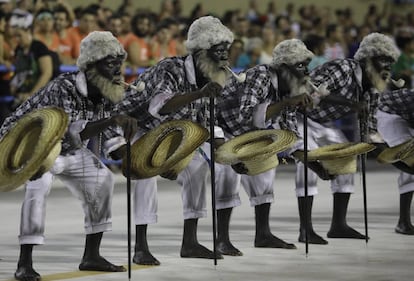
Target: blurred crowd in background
pixel 39 39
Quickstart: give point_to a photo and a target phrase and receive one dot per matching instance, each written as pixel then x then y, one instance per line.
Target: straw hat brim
pixel 400 152
pixel 31 146
pixel 337 159
pixel 168 147
pixel 337 150
pixel 256 149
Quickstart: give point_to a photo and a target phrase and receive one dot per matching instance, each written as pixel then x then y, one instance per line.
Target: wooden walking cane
pixel 305 163
pixel 213 177
pixel 128 176
pixel 362 130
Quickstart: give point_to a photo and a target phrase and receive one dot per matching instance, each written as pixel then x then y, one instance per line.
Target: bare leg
pixel 190 248
pixel 224 246
pixel 404 225
pixel 339 227
pixel 25 271
pixel 305 215
pixel 142 253
pixel 264 237
pixel 92 260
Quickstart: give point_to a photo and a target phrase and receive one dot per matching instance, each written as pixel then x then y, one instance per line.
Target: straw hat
pixel 403 152
pixel 257 150
pixel 165 149
pixel 339 158
pixel 31 146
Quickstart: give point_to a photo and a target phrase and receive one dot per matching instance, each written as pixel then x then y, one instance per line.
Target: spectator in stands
pixel 44 30
pixel 130 43
pixel 22 11
pixel 252 54
pixel 88 22
pixel 335 45
pixel 316 44
pixel 404 67
pixel 163 45
pixel 68 49
pixel 6 6
pixel 6 62
pixel 270 40
pixel 33 62
pixel 141 25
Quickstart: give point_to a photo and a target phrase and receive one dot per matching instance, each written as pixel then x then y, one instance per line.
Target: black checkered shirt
pixel 175 75
pixel 399 102
pixel 238 102
pixel 63 92
pixel 343 78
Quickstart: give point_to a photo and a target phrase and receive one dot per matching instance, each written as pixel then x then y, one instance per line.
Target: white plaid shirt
pixel 399 102
pixel 239 102
pixel 67 91
pixel 343 78
pixel 168 78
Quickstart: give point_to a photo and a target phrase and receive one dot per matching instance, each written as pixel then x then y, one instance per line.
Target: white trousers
pixel 321 135
pixel 395 130
pixel 87 178
pixel 193 189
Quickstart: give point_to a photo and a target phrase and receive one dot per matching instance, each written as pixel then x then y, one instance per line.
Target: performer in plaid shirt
pixel 178 88
pixel 395 117
pixel 352 85
pixel 87 97
pixel 269 96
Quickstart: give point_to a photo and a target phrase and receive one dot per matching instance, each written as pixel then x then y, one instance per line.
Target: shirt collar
pixel 358 75
pixel 190 69
pixel 81 84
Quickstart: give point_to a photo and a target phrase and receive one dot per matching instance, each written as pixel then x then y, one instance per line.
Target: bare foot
pixel 227 248
pixel 100 264
pixel 145 258
pixel 272 241
pixel 313 238
pixel 26 273
pixel 198 251
pixel 405 229
pixel 345 232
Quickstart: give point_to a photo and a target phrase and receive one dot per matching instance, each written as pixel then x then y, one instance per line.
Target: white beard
pixel 110 90
pixel 210 69
pixel 296 86
pixel 376 78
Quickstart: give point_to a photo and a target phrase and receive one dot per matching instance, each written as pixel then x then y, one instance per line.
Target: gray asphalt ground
pixel 386 257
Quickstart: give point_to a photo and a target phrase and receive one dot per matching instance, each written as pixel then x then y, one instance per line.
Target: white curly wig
pixel 377 44
pixel 206 32
pixel 96 46
pixel 290 52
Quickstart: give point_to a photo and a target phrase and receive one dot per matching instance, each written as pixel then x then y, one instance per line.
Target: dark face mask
pixel 219 52
pixel 300 69
pixel 110 66
pixel 382 63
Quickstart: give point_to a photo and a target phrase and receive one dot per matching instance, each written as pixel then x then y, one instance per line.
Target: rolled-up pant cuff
pixel 259 200
pixel 230 202
pixel 31 239
pixel 300 192
pixel 406 188
pixel 194 214
pixel 104 227
pixel 148 219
